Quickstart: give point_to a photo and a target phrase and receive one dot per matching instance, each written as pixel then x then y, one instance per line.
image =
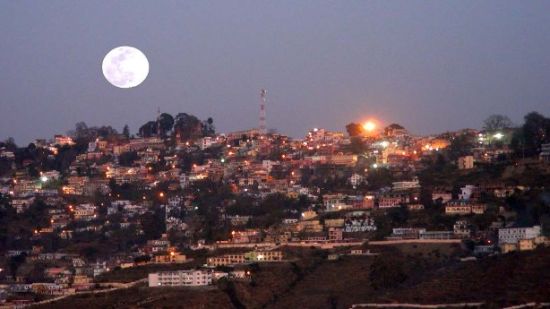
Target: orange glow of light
pixel 369 126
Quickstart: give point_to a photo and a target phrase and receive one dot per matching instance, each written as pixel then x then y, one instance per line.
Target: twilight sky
pixel 428 65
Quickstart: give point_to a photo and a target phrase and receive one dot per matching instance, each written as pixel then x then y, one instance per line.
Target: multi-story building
pixel 464 208
pixel 171 257
pixel 515 234
pixel 545 152
pixel 335 234
pixel 180 278
pixel 436 235
pixel 462 229
pixel 388 201
pixel 406 185
pixel 226 259
pixel 264 256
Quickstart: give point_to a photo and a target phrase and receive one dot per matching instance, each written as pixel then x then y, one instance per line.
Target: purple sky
pixel 429 65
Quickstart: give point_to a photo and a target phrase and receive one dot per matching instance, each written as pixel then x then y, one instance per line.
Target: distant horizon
pixel 134 132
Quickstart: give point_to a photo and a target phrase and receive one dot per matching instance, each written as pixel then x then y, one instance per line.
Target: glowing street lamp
pixel 498 135
pixel 369 126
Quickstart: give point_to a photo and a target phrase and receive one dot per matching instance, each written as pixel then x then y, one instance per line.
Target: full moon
pixel 125 67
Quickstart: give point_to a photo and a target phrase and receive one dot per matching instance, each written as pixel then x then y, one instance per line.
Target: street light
pixel 369 126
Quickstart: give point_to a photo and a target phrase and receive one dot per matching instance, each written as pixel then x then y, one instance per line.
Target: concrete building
pixel 436 235
pixel 545 152
pixel 515 234
pixel 180 278
pixel 226 259
pixel 406 185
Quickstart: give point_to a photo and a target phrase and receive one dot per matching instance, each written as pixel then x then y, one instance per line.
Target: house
pixel 467 192
pixel 180 278
pixel 391 200
pixel 515 234
pixel 246 236
pixel 226 259
pixel 406 233
pixel 335 234
pixel 264 255
pixel 415 207
pixel 436 235
pixel 462 229
pixel 84 212
pixel 465 163
pixel 406 185
pixel 526 244
pixel 545 152
pixel 368 201
pixel 464 207
pixel 484 249
pixel 158 245
pixel 171 257
pixel 508 247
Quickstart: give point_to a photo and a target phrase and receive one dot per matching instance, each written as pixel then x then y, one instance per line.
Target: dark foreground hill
pixel 394 276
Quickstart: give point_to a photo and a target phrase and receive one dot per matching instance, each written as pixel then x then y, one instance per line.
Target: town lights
pixel 498 135
pixel 161 194
pixel 369 126
pixel 43 178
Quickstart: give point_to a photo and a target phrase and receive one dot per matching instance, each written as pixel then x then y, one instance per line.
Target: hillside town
pixel 190 207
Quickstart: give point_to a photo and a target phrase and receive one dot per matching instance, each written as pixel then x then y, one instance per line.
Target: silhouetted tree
pixel 497 122
pixel 354 129
pixel 188 127
pixel 535 131
pixel 126 131
pixel 148 129
pixel 166 123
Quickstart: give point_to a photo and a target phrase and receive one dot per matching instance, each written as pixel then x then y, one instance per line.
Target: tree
pixel 9 143
pixel 354 129
pixel 460 146
pixel 390 130
pixel 81 129
pixel 148 129
pixel 128 158
pixel 126 131
pixel 187 126
pixel 497 122
pixel 534 132
pixel 166 123
pixel 357 146
pixel 208 127
pixel 15 262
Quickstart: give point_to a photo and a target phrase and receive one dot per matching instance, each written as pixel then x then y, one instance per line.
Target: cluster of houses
pixel 251 164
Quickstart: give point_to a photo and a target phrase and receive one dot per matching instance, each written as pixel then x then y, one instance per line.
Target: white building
pixel 180 278
pixel 406 185
pixel 466 192
pixel 515 234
